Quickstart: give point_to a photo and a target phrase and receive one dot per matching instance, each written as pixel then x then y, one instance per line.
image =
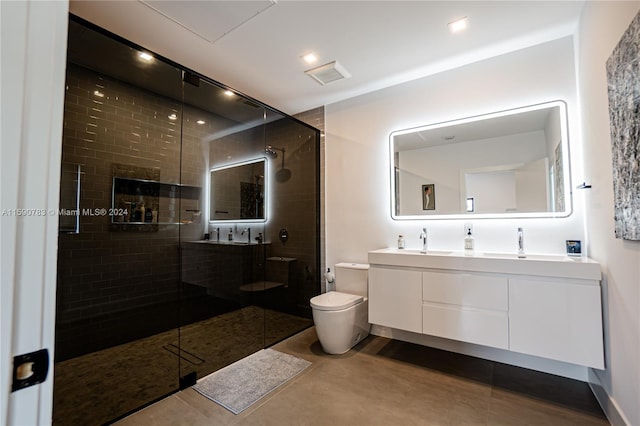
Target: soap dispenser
pixel 468 243
pixel 401 241
pixel 230 236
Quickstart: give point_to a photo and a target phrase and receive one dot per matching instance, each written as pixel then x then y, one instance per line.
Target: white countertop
pixel 508 263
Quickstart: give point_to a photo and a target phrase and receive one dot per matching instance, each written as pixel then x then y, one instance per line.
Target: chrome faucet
pixel 217 231
pixel 248 231
pixel 423 237
pixel 521 254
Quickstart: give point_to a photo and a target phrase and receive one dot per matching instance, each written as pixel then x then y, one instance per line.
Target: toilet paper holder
pixel 329 276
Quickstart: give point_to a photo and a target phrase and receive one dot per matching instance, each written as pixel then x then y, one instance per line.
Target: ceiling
pixel 256 47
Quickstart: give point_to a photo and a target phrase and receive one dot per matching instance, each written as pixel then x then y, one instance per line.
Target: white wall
pixel 358 170
pixel 601 26
pixel 358 213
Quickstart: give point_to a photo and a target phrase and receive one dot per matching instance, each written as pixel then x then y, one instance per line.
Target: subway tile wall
pixel 295 203
pixel 111 126
pixel 293 196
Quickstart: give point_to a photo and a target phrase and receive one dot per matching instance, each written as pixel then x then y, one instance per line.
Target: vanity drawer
pixel 467 290
pixel 488 328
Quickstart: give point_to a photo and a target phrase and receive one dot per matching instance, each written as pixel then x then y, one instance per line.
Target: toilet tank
pixel 352 278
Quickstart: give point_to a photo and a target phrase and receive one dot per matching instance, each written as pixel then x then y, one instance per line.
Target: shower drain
pixel 181 353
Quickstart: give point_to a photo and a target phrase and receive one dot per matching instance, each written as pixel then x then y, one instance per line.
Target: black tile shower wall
pixel 112 128
pixel 293 192
pixel 295 205
pixel 102 270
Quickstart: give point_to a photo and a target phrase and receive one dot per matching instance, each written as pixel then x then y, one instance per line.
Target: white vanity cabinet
pixel 557 319
pixel 468 307
pixel 544 305
pixel 395 298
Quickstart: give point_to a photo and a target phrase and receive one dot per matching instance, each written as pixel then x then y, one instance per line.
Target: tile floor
pixel 387 382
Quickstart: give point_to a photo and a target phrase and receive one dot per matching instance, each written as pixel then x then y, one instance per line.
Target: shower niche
pixel 140 201
pixel 150 202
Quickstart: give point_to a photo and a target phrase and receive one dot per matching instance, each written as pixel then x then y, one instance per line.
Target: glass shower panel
pixel 189 229
pixel 222 237
pixel 292 263
pixel 118 271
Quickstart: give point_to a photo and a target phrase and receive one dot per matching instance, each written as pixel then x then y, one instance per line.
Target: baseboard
pixel 609 405
pixel 557 368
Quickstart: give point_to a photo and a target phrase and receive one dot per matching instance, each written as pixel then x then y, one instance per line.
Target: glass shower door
pixel 118 261
pixel 292 264
pixel 189 235
pixel 222 241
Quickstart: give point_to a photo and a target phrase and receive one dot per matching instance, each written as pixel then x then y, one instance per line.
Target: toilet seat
pixel 335 301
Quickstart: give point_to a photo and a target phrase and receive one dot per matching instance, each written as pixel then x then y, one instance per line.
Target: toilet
pixel 341 316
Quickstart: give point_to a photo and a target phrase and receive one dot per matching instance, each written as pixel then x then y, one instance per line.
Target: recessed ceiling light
pixel 200 121
pixel 458 25
pixel 173 117
pixel 310 58
pixel 145 56
pixel 229 93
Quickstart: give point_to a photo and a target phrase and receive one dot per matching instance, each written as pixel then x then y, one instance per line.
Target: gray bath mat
pixel 237 386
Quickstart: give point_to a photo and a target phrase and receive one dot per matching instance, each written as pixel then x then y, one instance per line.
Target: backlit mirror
pixel 504 164
pixel 238 192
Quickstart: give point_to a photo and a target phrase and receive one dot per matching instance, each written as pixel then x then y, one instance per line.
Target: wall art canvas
pixel 623 77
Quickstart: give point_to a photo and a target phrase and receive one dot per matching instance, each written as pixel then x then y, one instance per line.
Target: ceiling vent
pixel 327 73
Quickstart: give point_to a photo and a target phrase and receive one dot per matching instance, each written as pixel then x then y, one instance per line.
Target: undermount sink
pixel 227 243
pixel 553 265
pixel 549 257
pixel 421 252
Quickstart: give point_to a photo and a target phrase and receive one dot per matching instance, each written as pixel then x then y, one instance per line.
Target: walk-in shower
pixel 145 304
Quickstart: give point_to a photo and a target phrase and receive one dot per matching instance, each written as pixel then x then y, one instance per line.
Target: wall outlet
pixel 467 227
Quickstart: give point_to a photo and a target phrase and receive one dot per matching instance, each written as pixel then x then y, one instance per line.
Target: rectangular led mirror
pixel 511 163
pixel 238 192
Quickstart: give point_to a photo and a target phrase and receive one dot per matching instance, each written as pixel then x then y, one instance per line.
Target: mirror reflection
pixel 504 164
pixel 238 192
